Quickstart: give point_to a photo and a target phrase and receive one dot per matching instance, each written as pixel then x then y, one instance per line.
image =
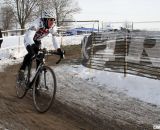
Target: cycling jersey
pixel 37 31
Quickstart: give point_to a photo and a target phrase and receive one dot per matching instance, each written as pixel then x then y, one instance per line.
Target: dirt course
pixel 19 114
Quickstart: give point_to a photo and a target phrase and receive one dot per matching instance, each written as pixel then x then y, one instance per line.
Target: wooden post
pixel 125 55
pixel 91 54
pixel 19 40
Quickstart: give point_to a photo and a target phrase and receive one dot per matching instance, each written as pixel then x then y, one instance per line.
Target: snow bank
pixel 142 88
pixel 13 47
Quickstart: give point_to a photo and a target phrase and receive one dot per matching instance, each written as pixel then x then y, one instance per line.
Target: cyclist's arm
pixel 53 31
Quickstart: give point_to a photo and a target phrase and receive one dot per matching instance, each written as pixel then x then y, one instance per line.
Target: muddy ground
pixel 19 114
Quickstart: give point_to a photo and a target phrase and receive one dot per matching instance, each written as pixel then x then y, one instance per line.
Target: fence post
pixel 61 39
pixel 91 54
pixel 125 54
pixel 19 40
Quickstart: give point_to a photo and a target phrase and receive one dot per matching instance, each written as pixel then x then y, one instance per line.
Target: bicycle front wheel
pixel 44 89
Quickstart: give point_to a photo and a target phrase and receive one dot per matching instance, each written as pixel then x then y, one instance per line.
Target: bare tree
pixel 64 9
pixel 23 10
pixel 7 17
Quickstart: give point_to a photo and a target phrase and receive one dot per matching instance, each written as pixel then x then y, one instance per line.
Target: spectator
pixel 1 40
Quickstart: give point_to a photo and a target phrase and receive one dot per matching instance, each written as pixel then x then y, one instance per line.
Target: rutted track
pixel 74 109
pixel 16 114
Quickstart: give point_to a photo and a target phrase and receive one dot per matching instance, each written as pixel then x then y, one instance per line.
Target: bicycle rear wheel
pixel 44 89
pixel 21 84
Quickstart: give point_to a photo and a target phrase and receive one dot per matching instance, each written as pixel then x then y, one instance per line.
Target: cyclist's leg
pixel 36 48
pixel 22 78
pixel 26 61
pixel 27 57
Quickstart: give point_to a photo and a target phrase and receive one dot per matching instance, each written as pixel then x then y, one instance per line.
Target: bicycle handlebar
pixel 56 53
pixel 44 51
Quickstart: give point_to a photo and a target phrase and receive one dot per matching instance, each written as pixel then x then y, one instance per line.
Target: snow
pixel 145 89
pixel 141 88
pixel 13 47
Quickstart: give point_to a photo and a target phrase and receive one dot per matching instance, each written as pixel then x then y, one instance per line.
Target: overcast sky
pixel 119 10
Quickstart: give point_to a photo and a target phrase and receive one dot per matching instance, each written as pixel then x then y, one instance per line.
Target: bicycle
pixel 43 83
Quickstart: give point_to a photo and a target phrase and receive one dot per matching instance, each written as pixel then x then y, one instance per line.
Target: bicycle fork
pixel 45 79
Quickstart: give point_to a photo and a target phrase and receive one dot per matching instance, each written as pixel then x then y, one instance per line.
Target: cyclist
pixel 40 28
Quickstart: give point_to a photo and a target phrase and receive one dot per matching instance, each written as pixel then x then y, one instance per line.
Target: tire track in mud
pixel 20 114
pixel 69 112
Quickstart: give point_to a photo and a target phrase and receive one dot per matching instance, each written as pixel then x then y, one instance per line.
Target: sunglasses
pixel 52 19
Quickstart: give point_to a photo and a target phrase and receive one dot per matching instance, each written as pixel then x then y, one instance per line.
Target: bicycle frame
pixel 37 83
pixel 30 83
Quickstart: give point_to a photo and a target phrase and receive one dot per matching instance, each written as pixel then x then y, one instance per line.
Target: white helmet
pixel 48 14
